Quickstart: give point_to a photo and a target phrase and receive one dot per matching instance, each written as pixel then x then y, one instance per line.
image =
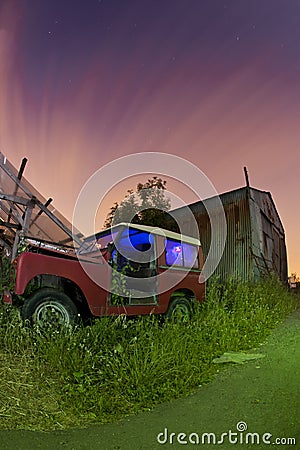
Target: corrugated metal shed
pixel 255 244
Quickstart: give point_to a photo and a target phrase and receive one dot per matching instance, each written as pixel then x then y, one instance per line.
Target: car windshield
pixel 99 242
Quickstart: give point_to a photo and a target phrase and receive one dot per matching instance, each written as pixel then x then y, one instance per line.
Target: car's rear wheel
pixel 49 307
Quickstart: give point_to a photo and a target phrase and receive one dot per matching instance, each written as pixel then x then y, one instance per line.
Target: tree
pixel 148 205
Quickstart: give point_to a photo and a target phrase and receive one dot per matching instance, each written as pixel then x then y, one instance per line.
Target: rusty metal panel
pixel 236 261
pixel 267 206
pixel 268 237
pixel 255 242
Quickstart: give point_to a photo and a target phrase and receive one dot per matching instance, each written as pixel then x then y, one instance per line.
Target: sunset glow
pixel 84 83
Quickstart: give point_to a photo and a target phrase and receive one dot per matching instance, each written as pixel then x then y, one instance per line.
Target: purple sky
pixel 218 83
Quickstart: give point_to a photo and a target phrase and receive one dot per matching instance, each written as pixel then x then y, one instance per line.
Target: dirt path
pixel 264 394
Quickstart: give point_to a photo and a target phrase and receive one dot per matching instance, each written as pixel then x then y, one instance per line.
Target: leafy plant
pixel 148 205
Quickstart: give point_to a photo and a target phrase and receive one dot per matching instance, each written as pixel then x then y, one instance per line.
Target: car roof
pixel 149 229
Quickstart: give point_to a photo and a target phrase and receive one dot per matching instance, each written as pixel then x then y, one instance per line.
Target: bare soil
pixel 264 394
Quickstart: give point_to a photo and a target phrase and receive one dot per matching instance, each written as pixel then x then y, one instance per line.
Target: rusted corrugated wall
pixel 255 243
pixel 268 237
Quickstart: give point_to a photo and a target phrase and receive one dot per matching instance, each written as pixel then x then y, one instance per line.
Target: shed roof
pixel 262 198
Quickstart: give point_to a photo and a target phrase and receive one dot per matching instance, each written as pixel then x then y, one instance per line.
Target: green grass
pixel 120 366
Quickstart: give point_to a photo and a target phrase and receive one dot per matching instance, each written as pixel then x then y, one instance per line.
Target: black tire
pixel 180 310
pixel 48 306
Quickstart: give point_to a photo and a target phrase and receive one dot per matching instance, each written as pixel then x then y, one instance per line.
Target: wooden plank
pixel 15 245
pixel 20 174
pixel 5 245
pixel 14 199
pixel 15 179
pixel 58 222
pixel 41 212
pixel 17 217
pixel 38 203
pixel 9 225
pixel 27 217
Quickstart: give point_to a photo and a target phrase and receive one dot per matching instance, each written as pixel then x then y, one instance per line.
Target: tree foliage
pixel 148 205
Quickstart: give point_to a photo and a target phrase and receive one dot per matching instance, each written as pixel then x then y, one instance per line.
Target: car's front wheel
pixel 48 306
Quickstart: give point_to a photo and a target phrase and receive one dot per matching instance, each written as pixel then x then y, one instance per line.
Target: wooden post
pixel 27 217
pixel 15 245
pixel 20 174
pixel 40 211
pixel 246 176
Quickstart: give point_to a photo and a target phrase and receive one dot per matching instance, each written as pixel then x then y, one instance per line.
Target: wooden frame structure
pixel 25 213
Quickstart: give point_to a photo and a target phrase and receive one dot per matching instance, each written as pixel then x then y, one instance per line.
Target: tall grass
pixel 121 366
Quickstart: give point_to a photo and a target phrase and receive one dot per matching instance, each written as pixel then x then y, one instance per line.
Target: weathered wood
pixel 20 174
pixel 27 217
pixel 17 217
pixel 41 212
pixel 15 179
pixel 14 198
pixel 9 225
pixel 15 245
pixel 5 245
pixel 58 222
pixel 28 204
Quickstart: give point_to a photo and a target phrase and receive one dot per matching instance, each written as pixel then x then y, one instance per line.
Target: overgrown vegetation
pixel 148 205
pixel 120 366
pixel 7 278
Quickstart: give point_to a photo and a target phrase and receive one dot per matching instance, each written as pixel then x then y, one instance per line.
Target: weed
pixel 120 366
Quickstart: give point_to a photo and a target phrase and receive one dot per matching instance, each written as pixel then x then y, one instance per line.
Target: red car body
pixel 76 274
